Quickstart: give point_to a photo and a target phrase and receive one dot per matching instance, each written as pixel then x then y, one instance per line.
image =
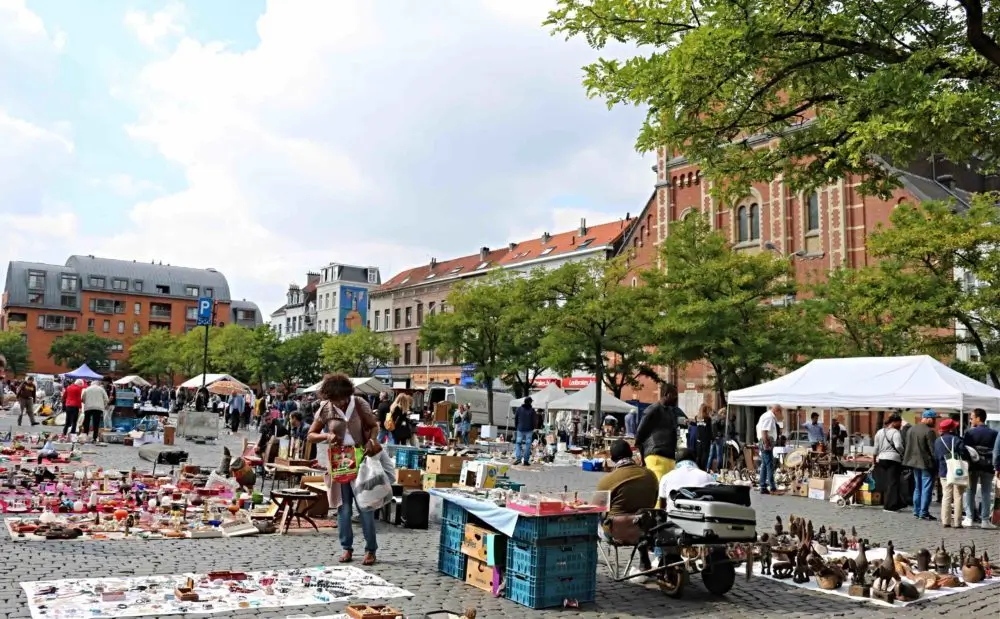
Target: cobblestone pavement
pixel 408 559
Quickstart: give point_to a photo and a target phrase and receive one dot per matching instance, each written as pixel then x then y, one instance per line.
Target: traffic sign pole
pixel 206 311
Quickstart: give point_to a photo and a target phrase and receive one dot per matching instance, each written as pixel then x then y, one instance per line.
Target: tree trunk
pixel 599 381
pixel 489 398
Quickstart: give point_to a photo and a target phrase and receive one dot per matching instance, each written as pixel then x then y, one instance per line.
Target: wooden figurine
pixel 778 527
pixel 765 555
pixel 834 539
pixel 884 587
pixel 859 575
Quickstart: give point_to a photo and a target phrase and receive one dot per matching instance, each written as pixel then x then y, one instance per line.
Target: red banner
pixel 577 382
pixel 542 383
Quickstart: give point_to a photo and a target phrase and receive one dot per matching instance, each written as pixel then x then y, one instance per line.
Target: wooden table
pixel 294 472
pixel 290 504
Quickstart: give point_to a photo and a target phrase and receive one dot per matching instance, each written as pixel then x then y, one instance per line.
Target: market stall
pixel 881 383
pixel 364 386
pixel 544 549
pixel 132 381
pixel 585 401
pixel 539 400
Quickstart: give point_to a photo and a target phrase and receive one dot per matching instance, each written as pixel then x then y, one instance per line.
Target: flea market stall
pixel 201 425
pixel 877 383
pixel 568 410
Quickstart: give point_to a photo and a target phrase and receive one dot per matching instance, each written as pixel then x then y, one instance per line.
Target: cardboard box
pixel 482 474
pixel 434 480
pixel 409 478
pixel 869 498
pixel 820 487
pixel 444 465
pixel 475 541
pixel 481 576
pixel 802 490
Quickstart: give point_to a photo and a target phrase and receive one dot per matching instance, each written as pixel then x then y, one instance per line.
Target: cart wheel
pixel 719 577
pixel 672 581
pixel 841 502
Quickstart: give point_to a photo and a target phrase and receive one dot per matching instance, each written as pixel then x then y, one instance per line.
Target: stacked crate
pixel 551 559
pixel 410 457
pixel 451 561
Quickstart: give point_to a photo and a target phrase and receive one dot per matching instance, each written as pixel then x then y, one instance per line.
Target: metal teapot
pixel 972 567
pixel 942 560
pixel 923 560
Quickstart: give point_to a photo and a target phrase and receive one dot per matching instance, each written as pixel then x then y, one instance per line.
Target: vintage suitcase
pixel 714 521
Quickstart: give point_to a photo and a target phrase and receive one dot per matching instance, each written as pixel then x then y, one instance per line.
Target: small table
pixel 294 472
pixel 290 504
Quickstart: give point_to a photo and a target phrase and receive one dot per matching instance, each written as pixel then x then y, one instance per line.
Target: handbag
pixel 344 462
pixel 957 470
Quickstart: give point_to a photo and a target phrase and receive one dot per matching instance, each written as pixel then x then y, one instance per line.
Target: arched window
pixel 742 224
pixel 812 213
pixel 754 222
pixel 635 282
pixel 649 224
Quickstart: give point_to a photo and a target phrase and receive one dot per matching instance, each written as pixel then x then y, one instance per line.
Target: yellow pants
pixel 659 465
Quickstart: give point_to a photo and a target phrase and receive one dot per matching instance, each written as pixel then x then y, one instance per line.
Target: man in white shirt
pixel 95 400
pixel 686 474
pixel 767 435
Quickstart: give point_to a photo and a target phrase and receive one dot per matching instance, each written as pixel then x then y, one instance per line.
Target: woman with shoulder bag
pixel 346 423
pixel 402 431
pixel 888 445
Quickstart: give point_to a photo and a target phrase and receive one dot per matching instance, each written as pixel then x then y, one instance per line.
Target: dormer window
pixel 481 266
pixel 431 276
pixel 455 270
pixel 585 243
pixel 547 251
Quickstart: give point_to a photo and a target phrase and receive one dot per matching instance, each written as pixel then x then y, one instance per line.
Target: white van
pixel 477 398
pixel 993 421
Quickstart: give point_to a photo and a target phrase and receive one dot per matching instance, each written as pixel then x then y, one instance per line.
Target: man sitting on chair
pixel 632 488
pixel 686 474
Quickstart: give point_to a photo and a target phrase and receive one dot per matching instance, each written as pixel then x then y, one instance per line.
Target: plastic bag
pixel 387 465
pixel 372 488
pixel 218 481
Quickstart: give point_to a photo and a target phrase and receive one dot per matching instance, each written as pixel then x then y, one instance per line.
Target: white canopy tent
pixel 132 379
pixel 195 383
pixel 542 397
pixel 585 400
pixel 918 381
pixel 368 386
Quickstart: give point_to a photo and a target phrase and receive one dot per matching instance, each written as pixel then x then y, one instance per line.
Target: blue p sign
pixel 204 311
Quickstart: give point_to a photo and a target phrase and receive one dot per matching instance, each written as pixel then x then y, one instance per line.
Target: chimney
pixel 483 252
pixel 947 180
pixel 512 246
pixel 628 216
pixel 572 240
pixel 434 263
pixel 545 237
pixel 583 226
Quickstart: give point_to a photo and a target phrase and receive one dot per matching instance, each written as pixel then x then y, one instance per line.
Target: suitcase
pixel 714 521
pixel 415 509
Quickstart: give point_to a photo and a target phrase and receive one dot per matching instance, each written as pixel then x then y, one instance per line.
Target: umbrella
pixel 225 387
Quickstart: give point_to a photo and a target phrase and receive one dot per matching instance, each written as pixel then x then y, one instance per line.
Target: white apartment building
pixel 342 297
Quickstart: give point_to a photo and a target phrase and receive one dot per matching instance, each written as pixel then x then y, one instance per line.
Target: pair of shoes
pixel 928 518
pixel 946 525
pixel 986 524
pixel 967 522
pixel 369 559
pixel 765 491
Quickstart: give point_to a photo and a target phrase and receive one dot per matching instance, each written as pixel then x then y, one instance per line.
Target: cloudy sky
pixel 265 138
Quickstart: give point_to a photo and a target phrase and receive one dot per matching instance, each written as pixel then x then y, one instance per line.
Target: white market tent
pixel 542 397
pixel 195 383
pixel 585 400
pixel 368 386
pixel 132 379
pixel 918 381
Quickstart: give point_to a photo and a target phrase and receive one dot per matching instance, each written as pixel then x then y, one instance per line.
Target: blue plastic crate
pixel 451 536
pixel 549 592
pixel 569 557
pixel 454 513
pixel 451 562
pixel 532 528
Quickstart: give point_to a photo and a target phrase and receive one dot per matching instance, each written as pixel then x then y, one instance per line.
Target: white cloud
pixel 22 28
pixel 371 133
pixel 152 29
pixel 127 186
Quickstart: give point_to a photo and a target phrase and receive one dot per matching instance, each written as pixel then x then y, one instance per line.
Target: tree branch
pixel 980 40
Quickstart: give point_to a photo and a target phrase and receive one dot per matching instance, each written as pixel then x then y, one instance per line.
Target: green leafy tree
pixel 189 351
pixel 837 81
pixel 730 308
pixel 876 314
pixel 230 351
pixel 300 359
pixel 472 330
pixel 926 244
pixel 74 349
pixel 358 353
pixel 263 359
pixel 598 317
pixel 15 350
pixel 524 323
pixel 154 355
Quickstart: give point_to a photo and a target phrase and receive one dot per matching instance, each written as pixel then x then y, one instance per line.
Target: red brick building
pixel 819 231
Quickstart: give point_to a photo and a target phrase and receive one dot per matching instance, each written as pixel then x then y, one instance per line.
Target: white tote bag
pixel 958 470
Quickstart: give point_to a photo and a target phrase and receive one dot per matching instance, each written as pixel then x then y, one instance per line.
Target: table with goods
pixel 536 550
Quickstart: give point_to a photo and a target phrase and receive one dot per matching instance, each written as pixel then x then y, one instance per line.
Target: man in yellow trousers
pixel 656 437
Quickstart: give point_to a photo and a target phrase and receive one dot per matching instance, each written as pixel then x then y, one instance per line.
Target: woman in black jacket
pixel 401 431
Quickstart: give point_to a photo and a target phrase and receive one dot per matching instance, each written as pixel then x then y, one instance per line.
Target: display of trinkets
pixel 216 592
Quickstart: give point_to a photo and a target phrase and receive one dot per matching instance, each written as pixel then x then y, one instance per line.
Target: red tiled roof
pixel 533 249
pixel 566 243
pixel 309 288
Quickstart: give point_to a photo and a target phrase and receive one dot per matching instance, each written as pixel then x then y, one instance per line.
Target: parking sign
pixel 204 311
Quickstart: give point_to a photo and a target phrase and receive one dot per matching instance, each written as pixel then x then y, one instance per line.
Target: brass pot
pixel 973 573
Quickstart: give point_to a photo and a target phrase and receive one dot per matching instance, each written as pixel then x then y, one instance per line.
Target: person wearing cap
pixel 631 488
pixel 767 435
pixel 918 456
pixel 950 447
pixel 524 427
pixel 888 445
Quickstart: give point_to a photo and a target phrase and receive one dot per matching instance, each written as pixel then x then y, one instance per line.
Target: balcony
pixel 159 311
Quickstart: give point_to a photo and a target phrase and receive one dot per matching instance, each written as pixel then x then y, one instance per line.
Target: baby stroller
pixel 847 491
